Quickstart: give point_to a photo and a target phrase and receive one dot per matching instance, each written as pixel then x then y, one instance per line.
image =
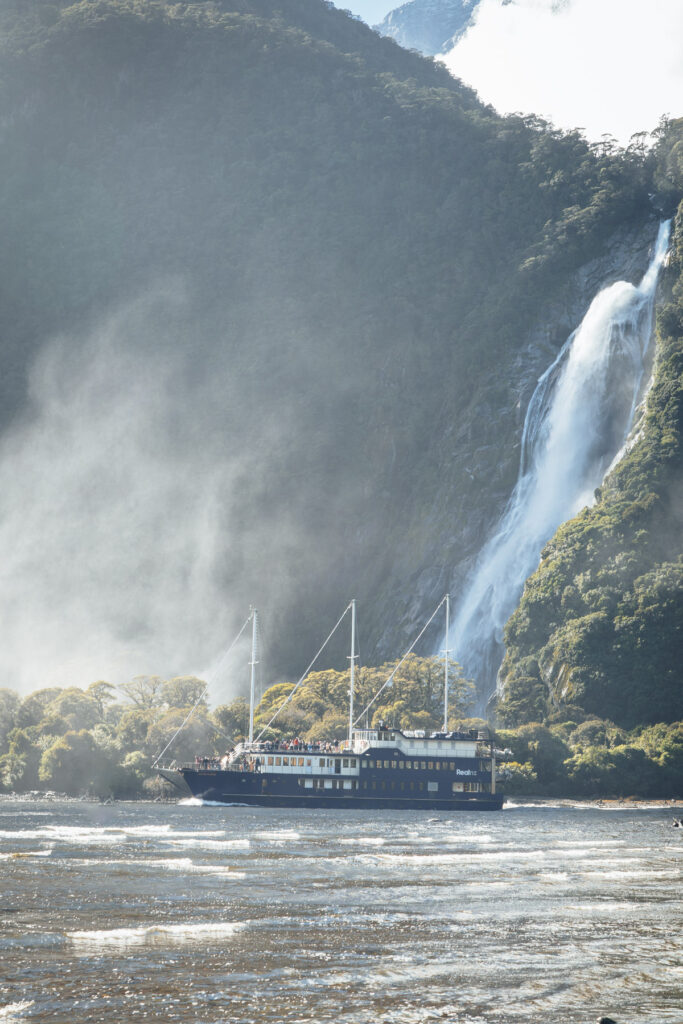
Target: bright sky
pixel 607 66
pixel 371 11
pixel 610 66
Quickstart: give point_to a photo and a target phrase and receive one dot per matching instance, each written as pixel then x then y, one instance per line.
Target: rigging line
pixel 395 670
pixel 289 697
pixel 204 692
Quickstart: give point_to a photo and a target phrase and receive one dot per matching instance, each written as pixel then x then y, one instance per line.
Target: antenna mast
pixel 253 663
pixel 352 659
pixel 445 670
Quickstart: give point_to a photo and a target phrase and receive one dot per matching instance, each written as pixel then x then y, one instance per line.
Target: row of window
pixel 383 786
pixel 424 765
pixel 309 762
pixel 351 762
pixel 329 783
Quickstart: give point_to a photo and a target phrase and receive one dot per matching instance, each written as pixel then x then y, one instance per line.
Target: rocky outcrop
pixel 481 451
pixel 431 26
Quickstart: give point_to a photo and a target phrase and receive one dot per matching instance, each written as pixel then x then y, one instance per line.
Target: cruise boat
pixel 380 767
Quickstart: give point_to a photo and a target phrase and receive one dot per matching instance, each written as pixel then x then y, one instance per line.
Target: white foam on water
pixel 463 837
pixel 640 874
pixel 209 844
pixel 277 837
pixel 363 841
pixel 196 801
pixel 19 854
pixel 157 933
pixel 65 833
pixel 185 864
pixel 167 863
pixel 11 1011
pixel 590 842
pixel 417 860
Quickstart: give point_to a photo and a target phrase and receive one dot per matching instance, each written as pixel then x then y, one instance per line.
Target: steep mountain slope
pixel 274 292
pixel 430 26
pixel 600 624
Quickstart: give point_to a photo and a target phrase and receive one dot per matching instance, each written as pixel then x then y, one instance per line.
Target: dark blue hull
pixel 230 787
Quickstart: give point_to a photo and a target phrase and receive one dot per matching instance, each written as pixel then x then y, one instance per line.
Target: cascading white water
pixel 577 422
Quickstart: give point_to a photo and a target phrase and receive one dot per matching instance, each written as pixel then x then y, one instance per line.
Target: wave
pixel 13 1010
pixel 167 863
pixel 278 836
pixel 19 854
pixel 185 864
pixel 197 801
pixel 157 932
pixel 209 844
pixel 363 841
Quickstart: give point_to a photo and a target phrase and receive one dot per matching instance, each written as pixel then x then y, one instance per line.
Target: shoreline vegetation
pixel 100 742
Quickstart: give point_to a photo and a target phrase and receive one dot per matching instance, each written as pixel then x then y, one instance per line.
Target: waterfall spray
pixel 577 421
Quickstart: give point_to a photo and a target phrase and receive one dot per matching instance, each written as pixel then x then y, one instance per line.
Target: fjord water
pixel 575 427
pixel 213 914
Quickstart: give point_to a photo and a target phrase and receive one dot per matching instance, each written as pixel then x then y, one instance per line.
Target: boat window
pixel 424 765
pixel 393 764
pixel 322 762
pixel 285 760
pixel 433 787
pixel 401 764
pixel 451 765
pixel 353 762
pixel 301 762
pixel 430 765
pixel 386 764
pixel 278 760
pixel 308 762
pixel 409 764
pixel 346 762
pixel 270 760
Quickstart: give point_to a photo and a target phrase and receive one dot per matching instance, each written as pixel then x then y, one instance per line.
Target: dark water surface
pixel 192 913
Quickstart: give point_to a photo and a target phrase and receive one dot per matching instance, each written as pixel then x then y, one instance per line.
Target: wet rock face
pixel 431 26
pixel 480 451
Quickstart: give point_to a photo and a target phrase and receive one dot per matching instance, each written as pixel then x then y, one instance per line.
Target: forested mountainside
pixel 275 293
pixel 430 26
pixel 600 624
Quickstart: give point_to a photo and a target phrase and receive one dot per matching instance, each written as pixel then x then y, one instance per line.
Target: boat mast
pixel 445 669
pixel 352 659
pixel 253 663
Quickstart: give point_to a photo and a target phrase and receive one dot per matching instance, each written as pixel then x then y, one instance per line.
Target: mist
pixel 133 534
pixel 606 66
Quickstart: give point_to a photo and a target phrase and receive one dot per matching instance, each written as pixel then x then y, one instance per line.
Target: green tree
pixel 144 691
pixel 80 710
pixel 232 720
pixel 9 705
pixel 184 692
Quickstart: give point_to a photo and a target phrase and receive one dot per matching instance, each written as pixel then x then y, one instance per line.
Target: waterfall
pixel 576 425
